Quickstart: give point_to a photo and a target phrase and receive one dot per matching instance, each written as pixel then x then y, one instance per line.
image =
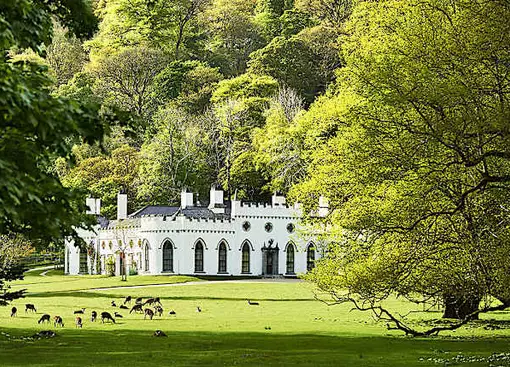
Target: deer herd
pixel 140 306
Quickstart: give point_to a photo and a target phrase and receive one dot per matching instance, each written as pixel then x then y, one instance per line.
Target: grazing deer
pixel 80 312
pixel 158 310
pixel 149 302
pixel 44 318
pixel 124 307
pixel 113 304
pixel 172 313
pixel 128 300
pixel 107 316
pixel 148 312
pixel 253 303
pixel 159 333
pixel 94 316
pixel 78 322
pixel 58 321
pixel 118 315
pixel 14 312
pixel 139 300
pixel 136 308
pixel 30 307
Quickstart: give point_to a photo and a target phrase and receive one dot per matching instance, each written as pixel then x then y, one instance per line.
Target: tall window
pixel 290 259
pixel 310 257
pixel 168 256
pixel 222 258
pixel 146 257
pixel 199 257
pixel 245 264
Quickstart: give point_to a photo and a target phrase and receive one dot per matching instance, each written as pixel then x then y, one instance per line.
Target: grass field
pixel 289 327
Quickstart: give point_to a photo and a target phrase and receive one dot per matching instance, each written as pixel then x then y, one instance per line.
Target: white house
pixel 240 239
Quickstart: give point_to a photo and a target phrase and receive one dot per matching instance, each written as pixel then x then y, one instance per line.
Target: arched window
pixel 199 257
pixel 222 258
pixel 146 257
pixel 245 264
pixel 290 259
pixel 168 257
pixel 310 257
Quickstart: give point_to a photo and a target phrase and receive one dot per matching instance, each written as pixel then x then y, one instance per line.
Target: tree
pixel 187 84
pixel 37 126
pixel 279 144
pixel 233 34
pixel 13 248
pixel 126 79
pixel 414 159
pixel 176 157
pixel 103 176
pixel 239 106
pixel 332 12
pixel 160 24
pixel 304 62
pixel 65 55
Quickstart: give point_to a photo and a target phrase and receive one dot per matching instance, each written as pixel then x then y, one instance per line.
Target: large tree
pixel 36 127
pixel 415 159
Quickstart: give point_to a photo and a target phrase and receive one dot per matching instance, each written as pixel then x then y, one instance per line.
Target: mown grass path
pixel 288 327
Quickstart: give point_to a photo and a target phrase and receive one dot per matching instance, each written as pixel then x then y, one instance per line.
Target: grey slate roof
pixel 195 212
pixel 155 210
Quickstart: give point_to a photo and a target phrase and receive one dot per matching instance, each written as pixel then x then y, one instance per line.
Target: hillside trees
pixel 416 163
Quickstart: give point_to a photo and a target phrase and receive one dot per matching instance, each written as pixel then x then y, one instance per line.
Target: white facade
pixel 245 239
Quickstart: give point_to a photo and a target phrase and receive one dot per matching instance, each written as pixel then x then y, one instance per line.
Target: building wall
pixel 184 233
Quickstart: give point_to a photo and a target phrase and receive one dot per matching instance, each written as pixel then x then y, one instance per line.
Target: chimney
pixel 186 199
pixel 323 207
pixel 216 201
pixel 278 200
pixel 121 206
pixel 94 206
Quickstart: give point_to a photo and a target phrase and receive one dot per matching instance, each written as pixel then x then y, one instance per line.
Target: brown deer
pixel 78 322
pixel 30 307
pixel 94 316
pixel 148 312
pixel 136 308
pixel 44 318
pixel 14 312
pixel 107 316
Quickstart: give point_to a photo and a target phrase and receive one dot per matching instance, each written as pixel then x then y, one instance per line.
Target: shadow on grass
pixel 81 347
pixel 93 294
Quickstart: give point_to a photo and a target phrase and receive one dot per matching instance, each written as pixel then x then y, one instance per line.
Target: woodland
pixel 397 111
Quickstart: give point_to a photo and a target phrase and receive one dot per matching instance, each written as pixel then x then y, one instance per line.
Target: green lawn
pixel 289 327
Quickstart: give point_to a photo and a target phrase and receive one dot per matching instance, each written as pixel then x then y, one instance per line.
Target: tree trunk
pixel 460 306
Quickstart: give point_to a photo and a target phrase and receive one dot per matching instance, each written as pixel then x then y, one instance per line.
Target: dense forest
pixel 203 92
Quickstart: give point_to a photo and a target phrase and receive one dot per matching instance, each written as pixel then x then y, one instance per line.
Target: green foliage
pixel 177 156
pixel 104 176
pixel 65 55
pixel 299 62
pixel 233 34
pixel 413 156
pixel 36 128
pixel 189 84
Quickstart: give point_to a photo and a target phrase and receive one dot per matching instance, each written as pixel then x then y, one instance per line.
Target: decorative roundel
pixel 246 226
pixel 290 228
pixel 268 227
